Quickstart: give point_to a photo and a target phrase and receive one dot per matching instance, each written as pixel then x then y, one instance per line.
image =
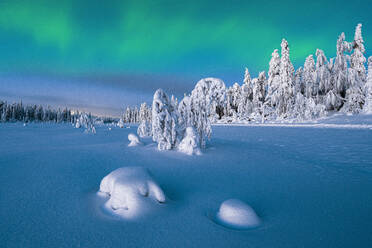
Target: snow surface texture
pixel 342 121
pixel 234 213
pixel 311 187
pixel 189 143
pixel 134 140
pixel 131 190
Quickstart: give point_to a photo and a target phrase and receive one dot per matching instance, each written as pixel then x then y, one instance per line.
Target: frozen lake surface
pixel 310 187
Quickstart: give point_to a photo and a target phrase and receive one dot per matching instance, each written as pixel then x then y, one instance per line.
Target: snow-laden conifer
pixel 164 122
pixel 309 77
pixel 273 80
pixel 356 77
pixel 368 89
pixel 285 94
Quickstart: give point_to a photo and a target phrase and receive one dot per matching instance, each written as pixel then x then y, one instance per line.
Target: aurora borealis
pixel 178 40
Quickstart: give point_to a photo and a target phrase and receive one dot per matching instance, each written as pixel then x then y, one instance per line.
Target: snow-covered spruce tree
pixel 164 123
pixel 5 116
pixel 322 73
pixel 235 97
pixel 286 88
pixel 259 92
pixel 335 96
pixel 309 77
pixel 2 105
pixel 356 75
pixel 214 90
pixel 273 82
pixel 185 118
pixel 202 97
pixel 144 128
pixel 358 60
pixel 299 84
pixel 228 111
pixel 136 115
pixel 247 77
pixel 127 115
pixel 314 110
pixel 332 100
pixel 367 108
pixel 306 108
pixel 354 94
pixel 245 104
pixel 299 108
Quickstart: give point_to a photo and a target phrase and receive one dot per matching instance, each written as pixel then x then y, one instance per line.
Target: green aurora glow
pixel 178 37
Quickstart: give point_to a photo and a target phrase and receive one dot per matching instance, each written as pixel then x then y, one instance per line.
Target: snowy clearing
pixel 311 187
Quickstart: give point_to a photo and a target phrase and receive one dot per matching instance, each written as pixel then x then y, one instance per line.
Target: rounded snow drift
pixel 132 192
pixel 189 144
pixel 236 214
pixel 134 140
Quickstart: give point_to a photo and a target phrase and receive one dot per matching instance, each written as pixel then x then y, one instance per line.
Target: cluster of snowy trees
pixel 368 103
pixel 186 125
pixel 133 115
pixel 85 120
pixel 321 85
pixel 34 113
pixel 37 113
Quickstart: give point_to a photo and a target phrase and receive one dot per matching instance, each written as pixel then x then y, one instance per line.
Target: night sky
pixel 102 55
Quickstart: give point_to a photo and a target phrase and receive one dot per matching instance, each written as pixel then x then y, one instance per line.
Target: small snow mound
pixel 121 123
pixel 189 143
pixel 134 140
pixel 236 214
pixel 132 191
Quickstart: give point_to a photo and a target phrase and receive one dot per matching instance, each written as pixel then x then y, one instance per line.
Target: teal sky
pixel 181 40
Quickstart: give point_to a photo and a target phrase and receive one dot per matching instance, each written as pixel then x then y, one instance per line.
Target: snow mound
pixel 132 191
pixel 236 214
pixel 189 143
pixel 120 123
pixel 134 140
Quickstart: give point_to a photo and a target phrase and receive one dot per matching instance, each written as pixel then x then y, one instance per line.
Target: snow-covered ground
pixel 310 187
pixel 334 120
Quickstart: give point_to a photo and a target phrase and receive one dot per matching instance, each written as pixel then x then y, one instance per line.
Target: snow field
pixel 311 187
